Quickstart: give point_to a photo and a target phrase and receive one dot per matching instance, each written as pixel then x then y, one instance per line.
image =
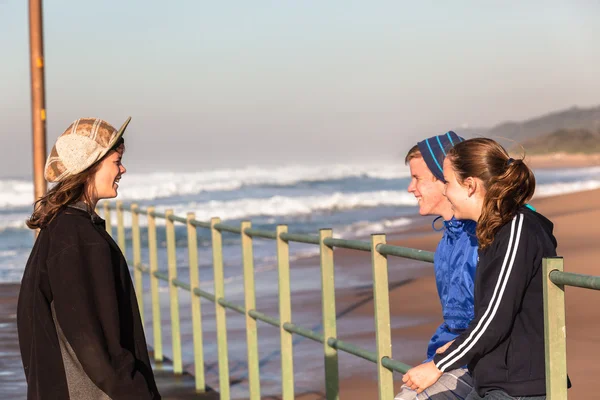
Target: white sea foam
pixel 283 206
pixel 554 189
pixel 13 221
pixel 364 228
pixel 18 193
pixel 275 206
pixel 15 193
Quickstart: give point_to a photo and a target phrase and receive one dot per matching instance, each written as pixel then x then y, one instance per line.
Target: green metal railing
pixel 554 305
pixel 555 330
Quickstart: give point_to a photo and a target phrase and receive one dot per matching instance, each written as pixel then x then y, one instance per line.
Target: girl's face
pixel 458 194
pixel 106 179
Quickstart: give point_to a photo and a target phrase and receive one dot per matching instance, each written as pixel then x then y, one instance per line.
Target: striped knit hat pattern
pixel 434 150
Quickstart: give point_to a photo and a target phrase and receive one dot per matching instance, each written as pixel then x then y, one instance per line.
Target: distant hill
pixel 569 141
pixel 574 118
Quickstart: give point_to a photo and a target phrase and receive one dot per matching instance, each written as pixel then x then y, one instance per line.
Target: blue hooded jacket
pixel 455 261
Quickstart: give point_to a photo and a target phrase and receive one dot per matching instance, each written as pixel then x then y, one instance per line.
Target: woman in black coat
pixel 80 331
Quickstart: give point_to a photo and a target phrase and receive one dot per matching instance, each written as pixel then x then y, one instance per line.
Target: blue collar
pixel 454 227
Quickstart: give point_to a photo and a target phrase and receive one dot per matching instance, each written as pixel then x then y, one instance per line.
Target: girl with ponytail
pixel 504 344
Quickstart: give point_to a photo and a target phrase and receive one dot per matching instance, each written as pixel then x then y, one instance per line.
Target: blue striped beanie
pixel 434 151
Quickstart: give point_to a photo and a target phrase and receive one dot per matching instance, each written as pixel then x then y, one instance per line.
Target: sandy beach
pixel 561 160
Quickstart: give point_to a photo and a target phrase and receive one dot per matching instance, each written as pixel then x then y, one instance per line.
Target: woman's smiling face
pixel 456 193
pixel 106 179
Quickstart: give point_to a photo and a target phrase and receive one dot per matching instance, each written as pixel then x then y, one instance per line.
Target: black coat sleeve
pixel 84 289
pixel 503 279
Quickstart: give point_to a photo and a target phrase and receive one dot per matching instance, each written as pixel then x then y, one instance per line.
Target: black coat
pixel 80 331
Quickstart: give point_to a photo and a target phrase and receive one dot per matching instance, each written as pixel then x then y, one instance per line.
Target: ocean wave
pixel 13 221
pixel 18 193
pixel 283 206
pixel 15 193
pixel 274 207
pixel 554 189
pixel 277 207
pixel 365 228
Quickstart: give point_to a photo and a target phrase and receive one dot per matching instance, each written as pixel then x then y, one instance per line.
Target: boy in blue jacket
pixel 454 262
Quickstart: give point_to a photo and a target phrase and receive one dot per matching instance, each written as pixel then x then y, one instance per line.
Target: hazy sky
pixel 215 84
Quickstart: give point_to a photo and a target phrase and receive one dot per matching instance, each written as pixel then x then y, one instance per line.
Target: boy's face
pixel 428 191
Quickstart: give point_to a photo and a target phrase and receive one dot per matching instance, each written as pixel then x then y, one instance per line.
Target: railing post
pixel 137 258
pixel 285 315
pixel 192 235
pixel 555 335
pixel 382 317
pixel 329 316
pixel 121 228
pixel 217 248
pixel 107 218
pixel 173 293
pixel 153 250
pixel 250 304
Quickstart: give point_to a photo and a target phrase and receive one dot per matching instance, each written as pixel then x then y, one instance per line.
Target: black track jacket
pixel 504 345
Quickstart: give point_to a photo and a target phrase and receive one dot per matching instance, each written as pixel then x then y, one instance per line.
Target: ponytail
pixel 509 183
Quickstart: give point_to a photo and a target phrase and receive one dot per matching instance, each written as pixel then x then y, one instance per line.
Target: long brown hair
pixel 68 191
pixel 509 183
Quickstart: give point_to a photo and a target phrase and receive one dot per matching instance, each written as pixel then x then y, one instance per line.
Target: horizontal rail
pixel 395 365
pixel 348 244
pixel 175 218
pixel 163 276
pixel 300 238
pixel 200 224
pixel 577 280
pixel 405 252
pixel 138 210
pixel 231 306
pixel 227 228
pixel 204 294
pixel 157 214
pixel 177 283
pixel 368 355
pixel 352 349
pixel 261 233
pixel 307 333
pixel 264 317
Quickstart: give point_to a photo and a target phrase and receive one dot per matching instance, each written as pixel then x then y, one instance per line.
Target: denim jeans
pixel 500 395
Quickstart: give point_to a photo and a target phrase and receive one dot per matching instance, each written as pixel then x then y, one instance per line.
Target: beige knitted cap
pixel 84 142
